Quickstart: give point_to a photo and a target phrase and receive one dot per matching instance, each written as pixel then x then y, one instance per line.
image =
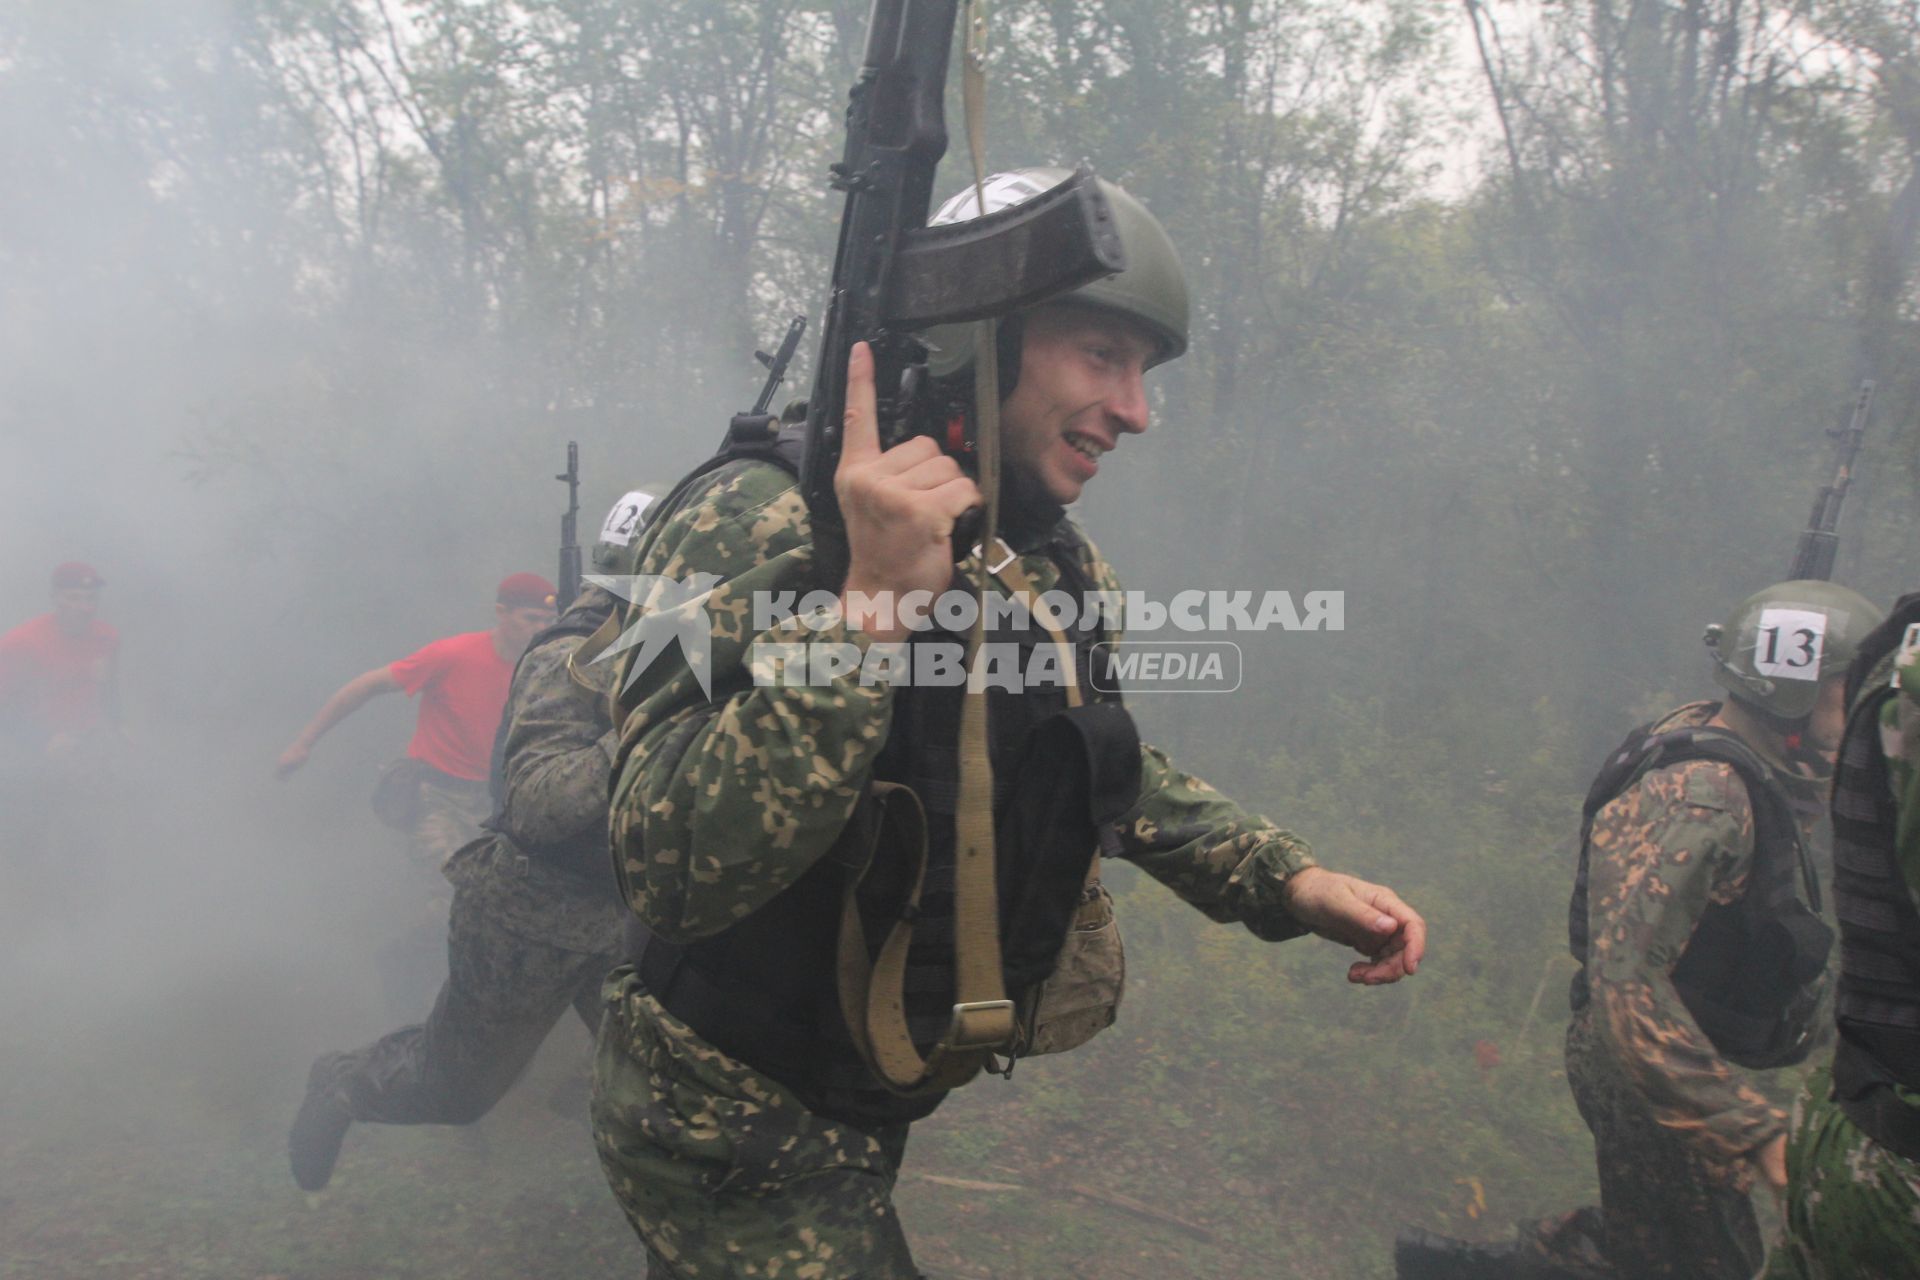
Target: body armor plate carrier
pixel 1751 975
pixel 764 990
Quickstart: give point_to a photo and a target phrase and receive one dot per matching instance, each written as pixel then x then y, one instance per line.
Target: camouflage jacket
pixel 722 802
pixel 1679 839
pixel 558 758
pixel 1900 739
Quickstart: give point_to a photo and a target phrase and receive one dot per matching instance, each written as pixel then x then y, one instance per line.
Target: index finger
pixel 860 429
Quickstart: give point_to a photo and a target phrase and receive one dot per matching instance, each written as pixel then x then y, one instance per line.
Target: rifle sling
pixel 872 994
pixel 590 650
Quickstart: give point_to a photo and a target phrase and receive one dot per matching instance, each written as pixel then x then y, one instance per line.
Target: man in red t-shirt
pixel 439 792
pixel 57 671
pixel 58 721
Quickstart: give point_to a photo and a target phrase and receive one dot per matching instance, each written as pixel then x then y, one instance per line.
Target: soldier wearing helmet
pixel 535 921
pixel 741 1114
pixel 1696 921
pixel 1855 1146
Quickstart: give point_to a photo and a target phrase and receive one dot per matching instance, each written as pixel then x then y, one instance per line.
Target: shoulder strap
pixel 748 439
pixel 1645 751
pixel 873 994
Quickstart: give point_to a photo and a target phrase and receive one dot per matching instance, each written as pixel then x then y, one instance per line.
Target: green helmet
pixel 1151 291
pixel 1780 643
pixel 620 533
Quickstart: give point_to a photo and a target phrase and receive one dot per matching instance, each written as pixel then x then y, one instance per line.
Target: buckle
pixel 992 1025
pixel 1005 561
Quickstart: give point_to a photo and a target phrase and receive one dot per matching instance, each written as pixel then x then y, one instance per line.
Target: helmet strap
pixel 1789 728
pixel 1791 732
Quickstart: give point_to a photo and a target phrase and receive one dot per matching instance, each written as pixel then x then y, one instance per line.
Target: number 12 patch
pixel 1790 644
pixel 625 519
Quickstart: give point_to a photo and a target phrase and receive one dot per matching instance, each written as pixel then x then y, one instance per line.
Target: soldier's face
pixel 74 606
pixel 1828 720
pixel 1080 391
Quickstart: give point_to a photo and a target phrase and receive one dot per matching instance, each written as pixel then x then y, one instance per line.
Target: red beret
pixel 526 591
pixel 76 573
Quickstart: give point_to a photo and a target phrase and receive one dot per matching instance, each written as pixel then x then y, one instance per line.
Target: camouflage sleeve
pixel 724 798
pixel 1227 862
pixel 1679 840
pixel 1900 736
pixel 559 748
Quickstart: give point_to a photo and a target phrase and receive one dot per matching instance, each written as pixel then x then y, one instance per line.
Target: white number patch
pixel 624 520
pixel 1909 645
pixel 1790 644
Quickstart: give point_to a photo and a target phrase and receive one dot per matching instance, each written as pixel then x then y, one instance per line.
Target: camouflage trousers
pixel 503 994
pixel 1853 1207
pixel 722 1171
pixel 1665 1213
pixel 447 816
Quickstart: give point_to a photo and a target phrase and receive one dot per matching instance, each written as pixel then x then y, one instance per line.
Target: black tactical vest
pixel 764 990
pixel 1878 1006
pixel 585 857
pixel 1750 976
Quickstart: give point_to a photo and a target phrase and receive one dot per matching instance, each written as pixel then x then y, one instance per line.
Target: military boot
pixel 1569 1246
pixel 1424 1255
pixel 313 1145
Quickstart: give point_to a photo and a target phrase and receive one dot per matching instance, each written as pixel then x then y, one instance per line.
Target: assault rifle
pixel 1814 557
pixel 894 276
pixel 756 423
pixel 567 586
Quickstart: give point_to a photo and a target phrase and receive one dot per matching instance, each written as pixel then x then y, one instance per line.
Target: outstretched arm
pixel 346 700
pixel 1236 866
pixel 1368 917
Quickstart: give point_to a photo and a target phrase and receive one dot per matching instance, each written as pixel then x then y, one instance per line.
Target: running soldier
pixel 740 1106
pixel 535 920
pixel 1703 958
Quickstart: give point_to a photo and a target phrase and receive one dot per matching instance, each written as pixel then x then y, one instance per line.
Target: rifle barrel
pixel 1819 543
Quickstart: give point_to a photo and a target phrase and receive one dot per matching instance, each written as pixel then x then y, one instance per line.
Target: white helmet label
pixel 1003 191
pixel 1790 644
pixel 624 520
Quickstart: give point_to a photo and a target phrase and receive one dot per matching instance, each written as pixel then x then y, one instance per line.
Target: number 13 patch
pixel 1790 644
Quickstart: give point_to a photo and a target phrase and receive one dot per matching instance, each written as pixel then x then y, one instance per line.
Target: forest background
pixel 1519 323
